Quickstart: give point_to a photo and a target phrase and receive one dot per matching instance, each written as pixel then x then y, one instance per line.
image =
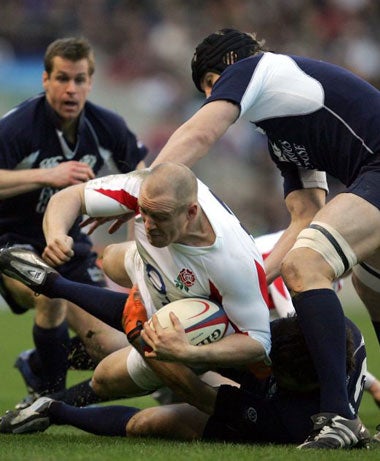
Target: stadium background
pixel 143 50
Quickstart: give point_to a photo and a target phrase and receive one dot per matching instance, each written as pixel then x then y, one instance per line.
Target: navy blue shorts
pixel 367 184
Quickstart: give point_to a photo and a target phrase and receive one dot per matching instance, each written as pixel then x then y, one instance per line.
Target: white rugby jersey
pixel 230 271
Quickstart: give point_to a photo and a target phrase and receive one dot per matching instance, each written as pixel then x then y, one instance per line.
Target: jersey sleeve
pixel 296 178
pixel 128 150
pixel 113 195
pixel 119 146
pixel 15 140
pixel 134 151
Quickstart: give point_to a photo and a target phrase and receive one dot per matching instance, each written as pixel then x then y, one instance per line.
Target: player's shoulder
pixel 23 112
pixel 17 125
pixel 102 115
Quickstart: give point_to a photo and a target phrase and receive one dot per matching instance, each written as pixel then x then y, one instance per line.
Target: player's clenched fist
pixel 59 250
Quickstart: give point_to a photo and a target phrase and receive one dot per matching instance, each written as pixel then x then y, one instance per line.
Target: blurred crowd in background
pixel 143 53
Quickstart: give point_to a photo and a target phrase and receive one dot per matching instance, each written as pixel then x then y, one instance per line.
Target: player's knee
pixel 108 256
pixel 50 312
pixel 292 273
pixel 113 264
pixel 143 423
pixel 100 383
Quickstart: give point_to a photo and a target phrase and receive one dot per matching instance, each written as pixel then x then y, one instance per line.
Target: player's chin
pixel 69 113
pixel 158 241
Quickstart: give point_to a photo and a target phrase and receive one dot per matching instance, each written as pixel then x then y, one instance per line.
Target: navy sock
pixel 52 347
pixel 79 395
pixel 102 303
pixel 376 326
pixel 78 358
pixel 107 420
pixel 322 321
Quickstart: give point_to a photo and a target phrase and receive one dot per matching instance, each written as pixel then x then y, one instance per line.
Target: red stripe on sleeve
pixel 122 197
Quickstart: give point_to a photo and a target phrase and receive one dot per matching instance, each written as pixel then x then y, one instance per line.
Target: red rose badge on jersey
pixel 185 279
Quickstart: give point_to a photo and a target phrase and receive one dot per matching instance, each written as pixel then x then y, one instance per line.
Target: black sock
pixel 52 346
pixel 79 395
pixel 108 420
pixel 322 321
pixel 103 303
pixel 376 326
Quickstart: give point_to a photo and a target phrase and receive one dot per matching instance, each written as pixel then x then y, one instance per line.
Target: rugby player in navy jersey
pixel 319 118
pixel 53 140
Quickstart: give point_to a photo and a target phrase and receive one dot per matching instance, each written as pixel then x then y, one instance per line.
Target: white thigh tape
pixel 329 244
pixel 368 275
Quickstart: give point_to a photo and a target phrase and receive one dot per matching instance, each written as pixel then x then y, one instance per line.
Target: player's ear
pixel 45 78
pixel 90 83
pixel 192 210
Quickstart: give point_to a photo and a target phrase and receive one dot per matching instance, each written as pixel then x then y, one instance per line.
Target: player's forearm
pixel 192 141
pixel 16 182
pixel 232 350
pixel 302 204
pixel 62 210
pixel 184 148
pixel 186 385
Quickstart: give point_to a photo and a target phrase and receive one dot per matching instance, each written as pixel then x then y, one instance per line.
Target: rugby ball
pixel 204 321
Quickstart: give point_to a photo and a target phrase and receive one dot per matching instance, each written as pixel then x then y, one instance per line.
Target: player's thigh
pixel 111 377
pixel 366 281
pixel 356 220
pixel 178 421
pixel 114 265
pixel 99 338
pixel 353 225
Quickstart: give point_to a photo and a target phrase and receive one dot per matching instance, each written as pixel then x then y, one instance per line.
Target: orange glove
pixel 134 315
pixel 260 369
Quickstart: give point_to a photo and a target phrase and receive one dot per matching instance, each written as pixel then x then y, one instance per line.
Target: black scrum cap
pixel 219 50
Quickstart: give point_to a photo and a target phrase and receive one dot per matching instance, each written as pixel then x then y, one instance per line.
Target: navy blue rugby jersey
pixel 318 117
pixel 29 138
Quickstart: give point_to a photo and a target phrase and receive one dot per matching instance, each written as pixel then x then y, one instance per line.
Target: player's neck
pixel 69 130
pixel 200 232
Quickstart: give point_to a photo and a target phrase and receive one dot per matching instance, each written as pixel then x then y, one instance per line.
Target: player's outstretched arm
pixel 192 141
pixel 63 209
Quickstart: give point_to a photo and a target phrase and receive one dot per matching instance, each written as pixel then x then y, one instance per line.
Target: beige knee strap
pixel 328 242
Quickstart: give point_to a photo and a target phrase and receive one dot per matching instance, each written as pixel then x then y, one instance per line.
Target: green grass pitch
pixel 70 444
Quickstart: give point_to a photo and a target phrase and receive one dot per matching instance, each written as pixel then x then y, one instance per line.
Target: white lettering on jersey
pixel 291 152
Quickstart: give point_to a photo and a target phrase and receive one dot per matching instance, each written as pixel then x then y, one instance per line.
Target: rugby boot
pixel 332 431
pixel 34 418
pixel 25 266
